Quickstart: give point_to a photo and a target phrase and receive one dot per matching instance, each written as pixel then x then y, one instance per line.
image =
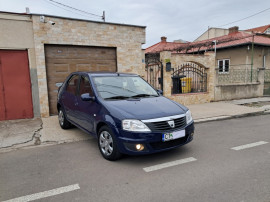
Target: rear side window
pixel 85 86
pixel 73 85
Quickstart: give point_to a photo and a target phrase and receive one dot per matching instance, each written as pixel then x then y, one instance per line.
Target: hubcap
pixel 106 143
pixel 61 117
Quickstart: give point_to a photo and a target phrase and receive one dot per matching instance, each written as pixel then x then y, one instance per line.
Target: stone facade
pixel 126 38
pixel 207 60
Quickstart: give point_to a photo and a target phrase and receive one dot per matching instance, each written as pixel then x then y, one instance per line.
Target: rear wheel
pixel 107 144
pixel 64 123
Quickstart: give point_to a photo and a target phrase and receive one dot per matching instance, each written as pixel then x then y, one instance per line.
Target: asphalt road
pixel 207 169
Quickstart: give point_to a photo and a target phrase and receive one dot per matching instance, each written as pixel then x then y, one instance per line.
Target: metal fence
pixel 154 70
pixel 237 75
pixel 189 78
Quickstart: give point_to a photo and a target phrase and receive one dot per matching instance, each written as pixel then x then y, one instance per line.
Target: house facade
pixel 235 47
pixel 212 33
pixel 241 65
pixel 50 51
pixel 241 56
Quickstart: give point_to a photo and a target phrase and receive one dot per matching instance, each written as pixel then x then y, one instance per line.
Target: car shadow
pixel 148 159
pixel 157 158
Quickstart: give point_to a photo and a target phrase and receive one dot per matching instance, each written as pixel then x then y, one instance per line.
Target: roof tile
pixel 233 39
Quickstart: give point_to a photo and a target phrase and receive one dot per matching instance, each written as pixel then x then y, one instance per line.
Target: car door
pixel 87 110
pixel 69 98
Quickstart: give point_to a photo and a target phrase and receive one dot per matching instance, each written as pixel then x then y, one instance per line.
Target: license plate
pixel 173 136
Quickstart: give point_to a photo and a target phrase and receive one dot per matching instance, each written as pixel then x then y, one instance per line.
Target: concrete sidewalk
pixel 32 132
pixel 221 110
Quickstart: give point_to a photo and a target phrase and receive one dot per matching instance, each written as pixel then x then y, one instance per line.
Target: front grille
pixel 172 143
pixel 163 126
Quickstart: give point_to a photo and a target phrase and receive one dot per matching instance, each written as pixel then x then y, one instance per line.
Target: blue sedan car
pixel 124 113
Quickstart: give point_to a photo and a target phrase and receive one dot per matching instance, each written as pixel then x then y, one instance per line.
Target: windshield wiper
pixel 119 97
pixel 143 95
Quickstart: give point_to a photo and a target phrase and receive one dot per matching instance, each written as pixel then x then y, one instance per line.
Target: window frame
pixel 223 66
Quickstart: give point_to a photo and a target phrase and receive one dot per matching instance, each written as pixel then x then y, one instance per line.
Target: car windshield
pixel 123 87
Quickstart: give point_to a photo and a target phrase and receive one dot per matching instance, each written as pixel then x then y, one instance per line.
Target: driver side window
pixel 85 86
pixel 73 85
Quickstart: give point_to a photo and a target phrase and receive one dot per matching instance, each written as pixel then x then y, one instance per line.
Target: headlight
pixel 188 117
pixel 134 125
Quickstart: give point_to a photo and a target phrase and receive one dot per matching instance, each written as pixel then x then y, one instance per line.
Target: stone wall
pixel 207 60
pixel 126 38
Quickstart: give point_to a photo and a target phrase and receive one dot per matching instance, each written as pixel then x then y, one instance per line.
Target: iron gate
pixel 154 69
pixel 189 78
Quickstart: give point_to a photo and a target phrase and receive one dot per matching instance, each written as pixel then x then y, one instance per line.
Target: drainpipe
pixel 215 41
pixel 215 81
pixel 252 56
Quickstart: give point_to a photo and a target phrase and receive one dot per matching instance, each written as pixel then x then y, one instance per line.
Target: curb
pixel 219 118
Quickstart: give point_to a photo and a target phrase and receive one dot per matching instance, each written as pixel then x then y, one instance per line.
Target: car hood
pixel 144 108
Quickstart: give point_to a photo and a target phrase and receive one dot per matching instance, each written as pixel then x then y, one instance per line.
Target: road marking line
pixel 169 164
pixel 45 194
pixel 249 145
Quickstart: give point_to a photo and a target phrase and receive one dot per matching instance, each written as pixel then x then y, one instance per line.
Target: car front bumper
pixel 152 141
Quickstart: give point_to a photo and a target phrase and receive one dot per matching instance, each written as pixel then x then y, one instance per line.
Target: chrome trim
pixel 168 118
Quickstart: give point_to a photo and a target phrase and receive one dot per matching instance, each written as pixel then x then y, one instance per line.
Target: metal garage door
pixel 62 60
pixel 15 85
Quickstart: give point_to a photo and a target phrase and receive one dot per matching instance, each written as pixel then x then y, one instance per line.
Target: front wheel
pixel 107 144
pixel 64 123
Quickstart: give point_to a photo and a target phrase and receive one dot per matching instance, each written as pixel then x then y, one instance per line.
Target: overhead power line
pixel 75 9
pixel 67 9
pixel 244 18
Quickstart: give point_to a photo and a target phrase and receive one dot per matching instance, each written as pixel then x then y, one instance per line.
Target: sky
pixel 175 19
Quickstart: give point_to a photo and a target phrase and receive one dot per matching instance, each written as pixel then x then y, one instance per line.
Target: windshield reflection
pixel 123 87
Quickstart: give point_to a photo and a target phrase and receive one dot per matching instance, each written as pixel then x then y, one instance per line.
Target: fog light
pixel 139 147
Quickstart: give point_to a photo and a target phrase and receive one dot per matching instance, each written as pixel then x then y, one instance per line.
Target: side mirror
pixel 87 97
pixel 160 92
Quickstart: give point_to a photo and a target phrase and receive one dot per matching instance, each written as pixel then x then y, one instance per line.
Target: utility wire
pixel 244 18
pixel 67 9
pixel 70 7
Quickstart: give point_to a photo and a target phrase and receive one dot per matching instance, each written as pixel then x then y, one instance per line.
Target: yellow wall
pixel 241 56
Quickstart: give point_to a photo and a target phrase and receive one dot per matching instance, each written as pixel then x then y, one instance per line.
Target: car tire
pixel 107 144
pixel 63 122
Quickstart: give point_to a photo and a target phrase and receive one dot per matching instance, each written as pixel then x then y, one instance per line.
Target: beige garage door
pixel 62 60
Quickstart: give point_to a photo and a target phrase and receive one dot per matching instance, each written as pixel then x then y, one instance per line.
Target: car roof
pixel 106 73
